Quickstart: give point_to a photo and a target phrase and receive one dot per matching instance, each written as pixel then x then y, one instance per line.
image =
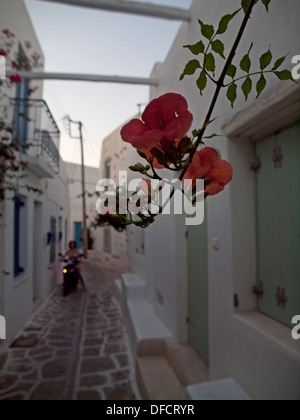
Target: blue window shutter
pixel 21 109
pixel 17 236
pixel 53 241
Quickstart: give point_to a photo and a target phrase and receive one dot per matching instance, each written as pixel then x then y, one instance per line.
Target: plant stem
pixel 220 84
pixel 248 75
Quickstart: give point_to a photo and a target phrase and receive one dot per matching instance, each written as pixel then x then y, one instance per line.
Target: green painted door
pixel 198 290
pixel 278 224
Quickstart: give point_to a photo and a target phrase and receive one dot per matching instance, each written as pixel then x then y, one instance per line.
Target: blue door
pixel 78 234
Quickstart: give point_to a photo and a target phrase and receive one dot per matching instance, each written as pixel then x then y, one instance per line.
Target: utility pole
pixel 84 224
pixel 85 233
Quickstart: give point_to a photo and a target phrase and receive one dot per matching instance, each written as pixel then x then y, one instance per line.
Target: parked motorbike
pixel 70 275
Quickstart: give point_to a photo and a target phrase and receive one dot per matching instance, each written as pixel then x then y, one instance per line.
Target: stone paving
pixel 81 351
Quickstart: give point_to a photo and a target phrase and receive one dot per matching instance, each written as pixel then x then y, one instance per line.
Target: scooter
pixel 70 275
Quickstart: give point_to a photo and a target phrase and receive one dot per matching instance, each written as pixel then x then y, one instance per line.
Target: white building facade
pixel 74 173
pixel 199 280
pixel 111 245
pixel 34 226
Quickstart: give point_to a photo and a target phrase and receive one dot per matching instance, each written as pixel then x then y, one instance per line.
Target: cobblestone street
pixel 78 351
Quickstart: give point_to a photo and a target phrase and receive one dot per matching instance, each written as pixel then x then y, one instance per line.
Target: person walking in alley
pixel 74 254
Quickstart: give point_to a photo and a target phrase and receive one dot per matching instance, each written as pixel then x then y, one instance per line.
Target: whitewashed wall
pixel 235 349
pixel 17 295
pixel 75 191
pixel 115 154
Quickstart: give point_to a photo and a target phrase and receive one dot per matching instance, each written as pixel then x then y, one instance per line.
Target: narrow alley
pixel 73 349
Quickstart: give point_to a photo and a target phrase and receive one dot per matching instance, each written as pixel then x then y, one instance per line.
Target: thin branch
pixel 220 83
pixel 248 75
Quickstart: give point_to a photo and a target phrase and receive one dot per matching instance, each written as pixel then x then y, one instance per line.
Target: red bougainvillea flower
pixel 207 165
pixel 10 158
pixel 164 118
pixel 15 78
pixel 22 163
pixel 220 175
pixel 7 32
pixel 2 53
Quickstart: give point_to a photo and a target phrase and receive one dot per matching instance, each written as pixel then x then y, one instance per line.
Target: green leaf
pixel 212 136
pixel 190 68
pixel 284 75
pixel 224 22
pixel 231 72
pixel 202 81
pixel 210 122
pixel 218 47
pixel 247 87
pixel 232 93
pixel 279 63
pixel 207 30
pixel 196 49
pixel 266 3
pixel 196 133
pixel 261 85
pixel 246 63
pixel 246 4
pixel 265 60
pixel 210 63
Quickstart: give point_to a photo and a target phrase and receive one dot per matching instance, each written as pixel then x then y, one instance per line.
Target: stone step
pixel 133 286
pixel 145 324
pixel 157 380
pixel 165 369
pixel 119 294
pixel 187 364
pixel 224 390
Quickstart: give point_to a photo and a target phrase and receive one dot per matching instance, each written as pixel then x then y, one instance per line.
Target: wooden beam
pixel 131 7
pixel 85 78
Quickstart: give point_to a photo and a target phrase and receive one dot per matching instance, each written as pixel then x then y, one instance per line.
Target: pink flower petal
pixel 221 175
pixel 163 110
pixel 203 162
pixel 179 126
pixel 164 118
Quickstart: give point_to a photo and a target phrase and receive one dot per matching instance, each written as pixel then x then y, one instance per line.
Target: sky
pixel 79 40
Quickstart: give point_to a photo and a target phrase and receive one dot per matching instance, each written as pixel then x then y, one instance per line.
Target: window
pixel 278 224
pixel 53 240
pixel 78 234
pixel 21 108
pixel 107 239
pixel 20 236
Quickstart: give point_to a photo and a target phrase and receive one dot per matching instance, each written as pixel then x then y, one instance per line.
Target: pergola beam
pixel 131 7
pixel 85 78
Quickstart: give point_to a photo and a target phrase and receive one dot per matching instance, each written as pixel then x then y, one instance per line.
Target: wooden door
pixel 278 224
